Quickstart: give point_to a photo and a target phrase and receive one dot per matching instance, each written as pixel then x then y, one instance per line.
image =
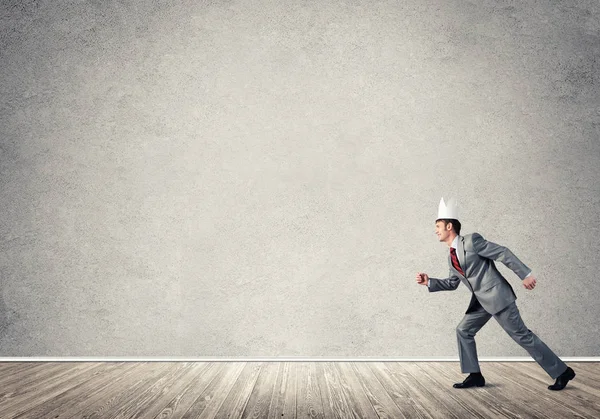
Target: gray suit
pixel 492 296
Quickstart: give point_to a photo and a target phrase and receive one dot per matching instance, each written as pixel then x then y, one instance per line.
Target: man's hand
pixel 529 282
pixel 422 279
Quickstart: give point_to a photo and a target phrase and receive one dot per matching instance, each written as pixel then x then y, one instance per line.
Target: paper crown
pixel 448 211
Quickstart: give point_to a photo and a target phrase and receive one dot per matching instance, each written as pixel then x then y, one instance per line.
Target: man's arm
pixel 499 253
pixel 446 284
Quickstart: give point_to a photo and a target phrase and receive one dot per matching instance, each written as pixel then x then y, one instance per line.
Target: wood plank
pixel 492 393
pixel 417 391
pixel 31 375
pixel 184 400
pixel 49 384
pixel 587 373
pixel 487 401
pixel 261 396
pixel 308 399
pixel 402 395
pixel 379 398
pixel 535 379
pixel 210 399
pixel 129 375
pixel 18 378
pixel 522 395
pixel 283 403
pixel 335 404
pixel 422 390
pixel 443 392
pixel 148 393
pixel 71 399
pixel 119 394
pixel 153 404
pixel 353 391
pixel 21 368
pixel 583 380
pixel 592 366
pixel 235 402
pixel 299 389
pixel 533 370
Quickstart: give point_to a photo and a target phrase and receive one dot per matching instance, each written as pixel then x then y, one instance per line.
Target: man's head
pixel 446 229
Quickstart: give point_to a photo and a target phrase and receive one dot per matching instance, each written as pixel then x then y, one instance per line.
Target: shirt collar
pixel 455 242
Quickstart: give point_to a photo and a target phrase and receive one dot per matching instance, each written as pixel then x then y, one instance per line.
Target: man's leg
pixel 511 322
pixel 465 334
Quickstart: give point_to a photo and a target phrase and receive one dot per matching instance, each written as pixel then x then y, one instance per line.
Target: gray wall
pixel 261 178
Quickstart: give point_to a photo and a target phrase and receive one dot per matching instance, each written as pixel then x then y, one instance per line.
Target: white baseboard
pixel 281 359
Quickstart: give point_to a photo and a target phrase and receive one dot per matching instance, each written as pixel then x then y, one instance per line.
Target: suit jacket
pixel 476 257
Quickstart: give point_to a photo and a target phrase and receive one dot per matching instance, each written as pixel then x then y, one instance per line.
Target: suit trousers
pixel 510 320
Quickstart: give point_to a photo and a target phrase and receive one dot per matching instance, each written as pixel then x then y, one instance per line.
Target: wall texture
pixel 261 178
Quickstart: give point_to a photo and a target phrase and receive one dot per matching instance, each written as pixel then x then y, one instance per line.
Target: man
pixel 471 261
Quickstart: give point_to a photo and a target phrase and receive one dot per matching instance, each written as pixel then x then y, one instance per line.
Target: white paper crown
pixel 448 211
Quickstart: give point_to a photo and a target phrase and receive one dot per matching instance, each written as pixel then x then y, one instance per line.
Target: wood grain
pixel 169 390
pixel 308 398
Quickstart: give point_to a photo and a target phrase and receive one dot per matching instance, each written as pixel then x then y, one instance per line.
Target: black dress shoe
pixel 563 379
pixel 471 381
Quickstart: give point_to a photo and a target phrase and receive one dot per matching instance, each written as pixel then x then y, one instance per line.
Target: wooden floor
pixel 290 390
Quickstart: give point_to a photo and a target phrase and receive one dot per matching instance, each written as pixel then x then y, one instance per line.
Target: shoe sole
pixel 476 385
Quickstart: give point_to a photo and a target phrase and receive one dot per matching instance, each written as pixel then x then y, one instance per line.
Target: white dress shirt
pixel 455 245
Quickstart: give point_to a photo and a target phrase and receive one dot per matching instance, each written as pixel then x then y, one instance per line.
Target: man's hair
pixel 455 223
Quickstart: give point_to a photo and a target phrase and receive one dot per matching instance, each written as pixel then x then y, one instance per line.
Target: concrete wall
pixel 261 178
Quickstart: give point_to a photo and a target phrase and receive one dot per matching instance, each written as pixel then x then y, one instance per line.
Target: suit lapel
pixel 462 257
pixel 460 252
pixel 453 268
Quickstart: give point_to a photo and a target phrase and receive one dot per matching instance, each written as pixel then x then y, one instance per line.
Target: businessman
pixel 471 261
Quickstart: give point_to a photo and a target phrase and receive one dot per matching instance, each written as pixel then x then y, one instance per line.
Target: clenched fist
pixel 422 279
pixel 530 282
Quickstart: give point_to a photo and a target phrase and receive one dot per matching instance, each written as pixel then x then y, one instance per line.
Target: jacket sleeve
pixel 499 253
pixel 446 284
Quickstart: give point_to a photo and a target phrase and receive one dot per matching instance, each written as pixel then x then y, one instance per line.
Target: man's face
pixel 442 231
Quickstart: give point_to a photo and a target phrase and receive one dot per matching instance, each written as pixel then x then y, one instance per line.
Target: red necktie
pixel 455 260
